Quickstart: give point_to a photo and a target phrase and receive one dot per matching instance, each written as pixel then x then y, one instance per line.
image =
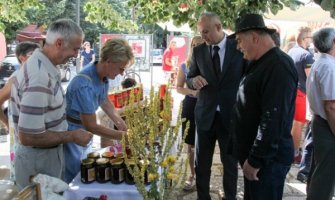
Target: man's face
pixel 70 50
pixel 209 30
pixel 245 43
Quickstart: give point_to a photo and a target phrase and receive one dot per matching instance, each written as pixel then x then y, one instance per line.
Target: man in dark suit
pixel 217 85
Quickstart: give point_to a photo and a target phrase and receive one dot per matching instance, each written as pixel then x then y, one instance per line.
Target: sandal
pixel 189 184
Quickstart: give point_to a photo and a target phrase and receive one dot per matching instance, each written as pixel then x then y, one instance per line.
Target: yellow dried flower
pixel 152 177
pixel 170 176
pixel 171 160
pixel 171 169
pixel 164 163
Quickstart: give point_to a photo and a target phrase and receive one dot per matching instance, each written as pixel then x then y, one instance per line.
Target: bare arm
pixel 307 70
pixel 49 138
pixel 93 58
pixel 168 61
pixel 4 96
pixel 112 113
pixel 181 79
pixel 90 123
pixel 329 107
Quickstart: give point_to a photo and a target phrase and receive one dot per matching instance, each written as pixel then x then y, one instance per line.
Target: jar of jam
pixel 130 178
pixel 94 156
pixel 87 171
pixel 117 170
pixel 102 170
pixel 119 155
pixel 109 155
pixel 118 100
pixel 145 163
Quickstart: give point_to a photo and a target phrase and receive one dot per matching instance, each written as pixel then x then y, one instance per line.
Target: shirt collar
pixel 222 43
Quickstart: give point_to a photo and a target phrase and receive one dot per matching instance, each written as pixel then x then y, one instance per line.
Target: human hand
pixel 199 82
pixel 250 172
pixel 195 93
pixel 121 125
pixel 82 137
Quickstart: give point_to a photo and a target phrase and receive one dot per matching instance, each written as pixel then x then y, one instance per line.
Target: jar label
pixel 91 174
pixel 121 174
pixel 107 172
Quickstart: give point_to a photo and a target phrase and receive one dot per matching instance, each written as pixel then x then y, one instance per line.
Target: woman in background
pixel 87 55
pixel 188 111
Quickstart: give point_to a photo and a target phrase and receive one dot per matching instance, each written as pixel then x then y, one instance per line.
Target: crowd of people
pixel 241 90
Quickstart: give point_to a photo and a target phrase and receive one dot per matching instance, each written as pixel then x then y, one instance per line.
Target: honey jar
pixel 87 171
pixel 102 170
pixel 130 178
pixel 117 170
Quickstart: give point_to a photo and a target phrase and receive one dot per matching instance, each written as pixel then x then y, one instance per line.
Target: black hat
pixel 251 22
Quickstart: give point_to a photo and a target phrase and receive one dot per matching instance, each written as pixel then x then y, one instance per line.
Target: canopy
pixel 31 32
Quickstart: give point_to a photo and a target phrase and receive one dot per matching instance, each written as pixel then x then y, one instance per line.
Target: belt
pixel 46 147
pixel 73 120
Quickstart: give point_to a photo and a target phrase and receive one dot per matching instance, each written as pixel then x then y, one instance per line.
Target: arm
pixel 112 113
pixel 81 60
pixel 49 138
pixel 90 123
pixel 168 61
pixel 181 82
pixel 93 57
pixel 329 107
pixel 4 96
pixel 194 79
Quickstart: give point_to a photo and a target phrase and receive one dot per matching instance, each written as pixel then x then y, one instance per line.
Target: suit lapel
pixel 208 60
pixel 227 57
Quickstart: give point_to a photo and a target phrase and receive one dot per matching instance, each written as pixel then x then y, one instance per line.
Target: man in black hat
pixel 263 113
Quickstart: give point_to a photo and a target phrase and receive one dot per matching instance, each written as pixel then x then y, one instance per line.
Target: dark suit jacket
pixel 221 89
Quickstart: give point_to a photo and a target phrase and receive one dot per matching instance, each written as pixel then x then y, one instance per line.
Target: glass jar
pixel 102 170
pixel 87 171
pixel 130 178
pixel 117 170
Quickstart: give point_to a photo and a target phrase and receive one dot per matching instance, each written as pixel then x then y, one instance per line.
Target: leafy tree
pixel 11 11
pixel 188 11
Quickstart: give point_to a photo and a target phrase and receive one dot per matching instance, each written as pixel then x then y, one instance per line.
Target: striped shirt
pixel 37 97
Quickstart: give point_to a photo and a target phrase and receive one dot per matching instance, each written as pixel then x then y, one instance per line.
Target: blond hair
pixel 301 33
pixel 118 50
pixel 189 57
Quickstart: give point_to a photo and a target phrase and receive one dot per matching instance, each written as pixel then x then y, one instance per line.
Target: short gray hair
pixel 65 29
pixel 323 39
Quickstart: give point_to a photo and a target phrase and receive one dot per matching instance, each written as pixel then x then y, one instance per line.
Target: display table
pixel 79 190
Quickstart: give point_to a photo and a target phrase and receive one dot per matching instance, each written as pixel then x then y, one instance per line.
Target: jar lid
pixel 102 161
pixel 119 155
pixel 87 161
pixel 108 154
pixel 93 155
pixel 116 161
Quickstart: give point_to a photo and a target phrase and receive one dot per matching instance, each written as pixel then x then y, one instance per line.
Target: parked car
pixel 157 56
pixel 10 63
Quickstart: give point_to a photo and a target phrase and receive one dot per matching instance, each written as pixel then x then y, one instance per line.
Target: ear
pixel 22 58
pixel 59 42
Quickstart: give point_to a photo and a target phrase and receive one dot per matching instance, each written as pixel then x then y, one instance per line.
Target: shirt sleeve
pixel 83 100
pixel 309 60
pixel 327 81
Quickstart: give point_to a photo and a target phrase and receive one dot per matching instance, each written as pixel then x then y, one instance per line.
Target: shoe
pixel 302 178
pixel 189 184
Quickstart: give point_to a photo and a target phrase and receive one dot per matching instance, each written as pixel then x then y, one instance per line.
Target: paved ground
pixel 293 189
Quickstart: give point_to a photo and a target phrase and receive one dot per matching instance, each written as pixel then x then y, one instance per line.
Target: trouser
pixel 322 183
pixel 204 156
pixel 30 161
pixel 270 184
pixel 305 163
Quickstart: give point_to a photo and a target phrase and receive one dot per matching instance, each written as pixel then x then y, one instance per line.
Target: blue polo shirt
pixel 85 93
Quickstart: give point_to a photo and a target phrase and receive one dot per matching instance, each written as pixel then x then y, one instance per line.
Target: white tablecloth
pixel 79 190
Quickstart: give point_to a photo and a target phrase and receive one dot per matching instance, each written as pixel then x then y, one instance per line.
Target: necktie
pixel 216 59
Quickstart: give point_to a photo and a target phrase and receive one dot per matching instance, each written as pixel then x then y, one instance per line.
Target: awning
pixel 185 28
pixel 31 32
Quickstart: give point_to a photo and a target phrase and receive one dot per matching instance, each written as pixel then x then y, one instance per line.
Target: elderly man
pixel 321 97
pixel 263 113
pixel 215 70
pixel 38 106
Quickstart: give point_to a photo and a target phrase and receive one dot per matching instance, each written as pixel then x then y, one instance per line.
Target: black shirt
pixel 263 113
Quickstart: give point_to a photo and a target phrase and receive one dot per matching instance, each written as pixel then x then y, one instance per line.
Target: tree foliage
pixel 110 14
pixel 12 11
pixel 188 11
